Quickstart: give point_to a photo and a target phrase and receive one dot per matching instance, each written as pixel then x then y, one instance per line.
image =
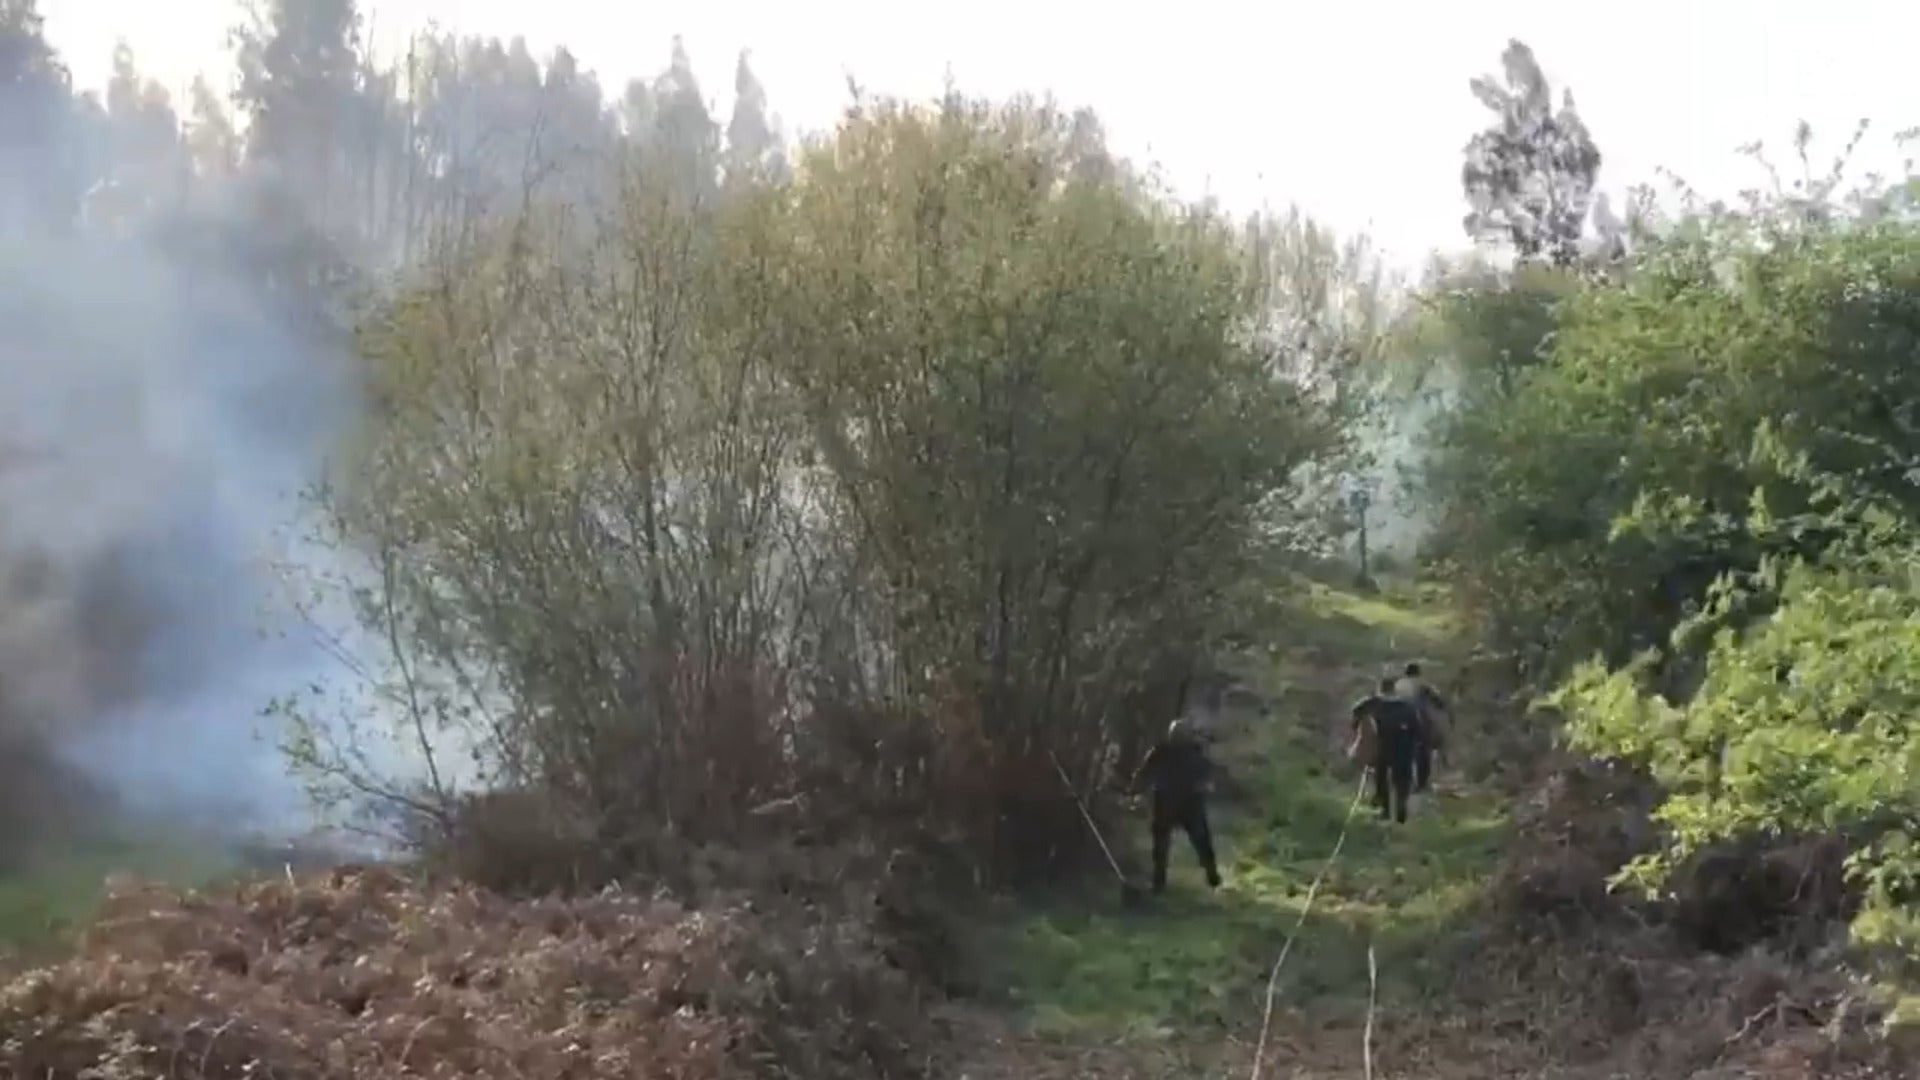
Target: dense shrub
pixel 1692 508
pixel 886 484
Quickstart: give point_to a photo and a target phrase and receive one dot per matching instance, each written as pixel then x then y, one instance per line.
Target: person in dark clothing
pixel 1394 725
pixel 1175 773
pixel 1431 707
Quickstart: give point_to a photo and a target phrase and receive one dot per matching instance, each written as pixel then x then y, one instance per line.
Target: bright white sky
pixel 1355 109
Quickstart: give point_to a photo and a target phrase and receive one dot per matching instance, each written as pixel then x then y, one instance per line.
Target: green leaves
pixel 899 471
pixel 1693 510
pixel 1805 722
pixel 1723 374
pixel 1060 421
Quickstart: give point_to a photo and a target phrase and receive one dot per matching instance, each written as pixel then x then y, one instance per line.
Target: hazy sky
pixel 1355 109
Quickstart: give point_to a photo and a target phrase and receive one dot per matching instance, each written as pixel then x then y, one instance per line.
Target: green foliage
pixel 1803 724
pixel 1056 424
pixel 882 480
pixel 1728 363
pixel 1697 503
pixel 1802 721
pixel 1493 325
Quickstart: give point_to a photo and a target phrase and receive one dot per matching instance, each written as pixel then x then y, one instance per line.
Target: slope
pixel 1184 982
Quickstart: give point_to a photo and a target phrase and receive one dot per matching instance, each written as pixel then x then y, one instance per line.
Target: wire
pixel 1373 995
pixel 1273 978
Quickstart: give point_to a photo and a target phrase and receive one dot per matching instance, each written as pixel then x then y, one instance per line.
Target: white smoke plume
pixel 1398 441
pixel 157 426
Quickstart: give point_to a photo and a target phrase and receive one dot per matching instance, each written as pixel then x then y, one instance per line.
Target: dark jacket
pixel 1395 723
pixel 1429 703
pixel 1176 770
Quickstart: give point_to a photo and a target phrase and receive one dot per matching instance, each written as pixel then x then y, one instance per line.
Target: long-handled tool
pixel 1130 893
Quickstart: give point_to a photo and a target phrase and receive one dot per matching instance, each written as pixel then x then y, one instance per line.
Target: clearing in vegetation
pixel 1176 985
pixel 1496 948
pixel 1187 976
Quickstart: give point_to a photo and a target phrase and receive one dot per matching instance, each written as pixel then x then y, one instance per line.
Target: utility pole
pixel 1361 501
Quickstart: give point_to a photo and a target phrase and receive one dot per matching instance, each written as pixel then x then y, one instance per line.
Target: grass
pixel 1197 960
pixel 46 899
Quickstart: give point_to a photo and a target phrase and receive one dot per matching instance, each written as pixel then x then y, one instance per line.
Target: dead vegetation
pixel 364 973
pixel 1739 972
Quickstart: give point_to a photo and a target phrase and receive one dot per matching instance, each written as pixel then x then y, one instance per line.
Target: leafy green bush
pixel 1595 495
pixel 1804 724
pixel 1697 503
pixel 882 484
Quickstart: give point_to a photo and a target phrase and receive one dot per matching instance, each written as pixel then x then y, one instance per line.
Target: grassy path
pixel 1192 970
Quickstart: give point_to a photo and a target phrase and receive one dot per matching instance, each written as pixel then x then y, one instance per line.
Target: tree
pixel 578 135
pixel 145 156
pixel 491 128
pixel 682 129
pixel 753 147
pixel 300 81
pixel 1330 312
pixel 1529 177
pixel 882 484
pixel 212 142
pixel 1801 724
pixel 36 116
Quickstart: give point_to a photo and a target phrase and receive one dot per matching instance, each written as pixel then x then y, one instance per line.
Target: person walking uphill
pixel 1175 773
pixel 1392 724
pixel 1433 727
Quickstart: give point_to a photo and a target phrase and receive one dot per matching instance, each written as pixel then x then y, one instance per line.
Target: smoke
pixel 1398 441
pixel 158 423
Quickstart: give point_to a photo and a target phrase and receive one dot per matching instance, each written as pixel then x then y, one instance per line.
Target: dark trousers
pixel 1423 765
pixel 1189 814
pixel 1394 767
